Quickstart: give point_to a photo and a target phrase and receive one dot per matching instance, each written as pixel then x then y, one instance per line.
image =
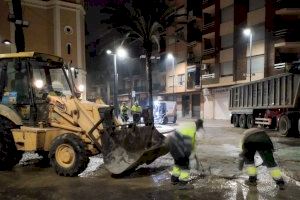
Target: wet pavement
pixel 217 177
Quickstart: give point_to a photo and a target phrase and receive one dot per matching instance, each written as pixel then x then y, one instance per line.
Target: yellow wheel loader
pixel 40 112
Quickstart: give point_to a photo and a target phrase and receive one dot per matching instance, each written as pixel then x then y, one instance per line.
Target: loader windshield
pixel 49 79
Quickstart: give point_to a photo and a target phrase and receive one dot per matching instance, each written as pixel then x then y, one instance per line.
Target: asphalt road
pixel 217 149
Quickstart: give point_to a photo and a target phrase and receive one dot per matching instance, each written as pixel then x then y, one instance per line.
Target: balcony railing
pixel 207 3
pixel 279 4
pixel 209 51
pixel 139 88
pixel 158 87
pixel 288 35
pixel 209 25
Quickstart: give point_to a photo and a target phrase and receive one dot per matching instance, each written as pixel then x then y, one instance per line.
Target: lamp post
pixel 248 33
pixel 122 53
pixel 171 57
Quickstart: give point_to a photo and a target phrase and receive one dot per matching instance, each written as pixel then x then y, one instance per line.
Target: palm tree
pixel 142 27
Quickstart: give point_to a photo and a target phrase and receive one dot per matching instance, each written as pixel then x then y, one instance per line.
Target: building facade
pixel 55 27
pixel 184 42
pixel 224 51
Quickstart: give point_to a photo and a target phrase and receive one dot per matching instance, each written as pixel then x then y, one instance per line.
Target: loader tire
pixel 9 155
pixel 68 155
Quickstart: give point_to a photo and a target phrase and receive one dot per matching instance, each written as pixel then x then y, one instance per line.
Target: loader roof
pixel 32 54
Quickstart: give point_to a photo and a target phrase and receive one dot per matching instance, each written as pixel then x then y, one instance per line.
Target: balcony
pixel 157 87
pixel 139 88
pixel 207 3
pixel 287 7
pixel 123 91
pixel 287 38
pixel 194 33
pixel 209 27
pixel 209 51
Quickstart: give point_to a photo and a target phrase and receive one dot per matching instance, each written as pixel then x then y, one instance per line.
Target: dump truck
pixel 271 102
pixel 40 111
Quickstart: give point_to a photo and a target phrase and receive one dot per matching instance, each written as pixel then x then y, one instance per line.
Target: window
pixel 227 68
pixel 180 79
pixel 257 65
pixel 191 78
pixel 14 81
pixel 256 4
pixel 227 14
pixel 259 32
pixel 68 48
pixel 170 81
pixel 171 41
pixel 227 41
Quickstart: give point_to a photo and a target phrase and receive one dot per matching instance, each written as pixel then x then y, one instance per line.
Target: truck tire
pixel 235 120
pixel 243 121
pixel 68 155
pixel 284 125
pixel 250 121
pixel 9 155
pixel 174 120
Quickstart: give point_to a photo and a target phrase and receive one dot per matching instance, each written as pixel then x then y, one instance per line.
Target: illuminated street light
pixel 122 53
pixel 247 32
pixel 6 42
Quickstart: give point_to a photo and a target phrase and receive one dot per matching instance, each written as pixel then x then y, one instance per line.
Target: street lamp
pixel 171 57
pixel 248 33
pixel 122 53
pixel 6 42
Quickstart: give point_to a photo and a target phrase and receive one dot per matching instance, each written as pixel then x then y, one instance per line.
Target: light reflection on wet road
pixel 221 180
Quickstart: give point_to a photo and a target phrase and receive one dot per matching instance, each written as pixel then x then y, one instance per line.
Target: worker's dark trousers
pixel 136 117
pixel 267 156
pixel 180 150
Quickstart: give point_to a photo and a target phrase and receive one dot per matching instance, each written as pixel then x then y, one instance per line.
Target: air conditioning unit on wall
pixel 206 92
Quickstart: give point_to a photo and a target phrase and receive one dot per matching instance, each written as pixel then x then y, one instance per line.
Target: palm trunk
pixel 149 76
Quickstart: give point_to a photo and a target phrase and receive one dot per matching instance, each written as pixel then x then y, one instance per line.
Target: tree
pixel 139 21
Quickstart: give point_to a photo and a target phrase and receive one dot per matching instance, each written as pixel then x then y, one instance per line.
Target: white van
pixel 165 112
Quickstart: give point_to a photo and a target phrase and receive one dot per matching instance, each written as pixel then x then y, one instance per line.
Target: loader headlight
pixel 39 84
pixel 81 88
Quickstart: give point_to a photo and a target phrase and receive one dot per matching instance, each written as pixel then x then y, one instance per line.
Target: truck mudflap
pixel 130 147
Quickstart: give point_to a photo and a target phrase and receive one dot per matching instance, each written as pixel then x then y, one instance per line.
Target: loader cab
pixel 26 79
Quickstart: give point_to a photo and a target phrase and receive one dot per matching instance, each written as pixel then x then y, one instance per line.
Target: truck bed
pixel 280 91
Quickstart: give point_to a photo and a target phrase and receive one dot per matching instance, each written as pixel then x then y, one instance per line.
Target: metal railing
pixel 279 4
pixel 209 25
pixel 209 51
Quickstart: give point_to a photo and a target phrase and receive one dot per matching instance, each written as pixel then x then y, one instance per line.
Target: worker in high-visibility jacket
pixel 136 111
pixel 124 112
pixel 256 140
pixel 181 145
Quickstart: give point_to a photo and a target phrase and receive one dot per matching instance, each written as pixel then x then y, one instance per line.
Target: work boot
pixel 280 183
pixel 251 181
pixel 174 180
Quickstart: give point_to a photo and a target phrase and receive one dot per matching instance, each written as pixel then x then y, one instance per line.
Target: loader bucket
pixel 127 148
